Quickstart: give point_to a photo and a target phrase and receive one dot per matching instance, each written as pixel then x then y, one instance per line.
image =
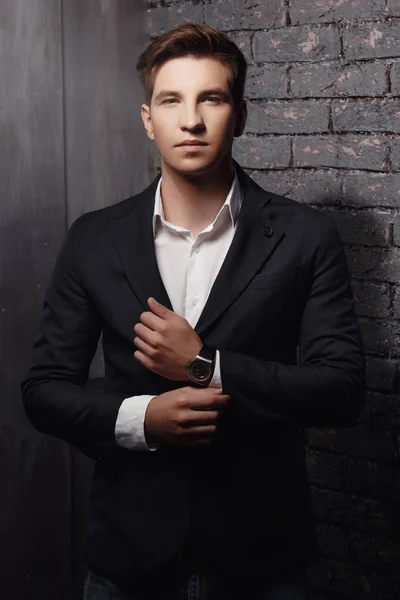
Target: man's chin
pixel 193 169
pixel 193 166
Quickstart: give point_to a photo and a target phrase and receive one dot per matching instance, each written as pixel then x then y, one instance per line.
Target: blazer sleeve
pixel 327 386
pixel 55 399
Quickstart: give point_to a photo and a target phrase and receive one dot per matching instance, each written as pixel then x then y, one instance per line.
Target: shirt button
pixel 194 302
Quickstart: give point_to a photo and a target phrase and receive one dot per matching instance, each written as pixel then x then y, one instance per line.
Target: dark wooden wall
pixel 71 140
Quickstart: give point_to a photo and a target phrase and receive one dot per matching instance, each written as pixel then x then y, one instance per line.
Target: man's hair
pixel 199 41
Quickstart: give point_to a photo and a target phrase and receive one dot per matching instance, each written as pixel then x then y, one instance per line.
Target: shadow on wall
pixel 354 472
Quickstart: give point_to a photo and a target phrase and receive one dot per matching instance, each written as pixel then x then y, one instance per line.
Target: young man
pixel 228 326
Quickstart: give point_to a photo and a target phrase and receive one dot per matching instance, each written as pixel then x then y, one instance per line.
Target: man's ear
pixel 241 119
pixel 146 118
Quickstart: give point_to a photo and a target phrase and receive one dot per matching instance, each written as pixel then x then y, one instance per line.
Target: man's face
pixel 192 101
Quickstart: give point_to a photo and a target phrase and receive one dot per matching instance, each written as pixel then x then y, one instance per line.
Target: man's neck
pixel 194 202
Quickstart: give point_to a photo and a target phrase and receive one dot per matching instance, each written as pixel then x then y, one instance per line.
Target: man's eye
pixel 212 98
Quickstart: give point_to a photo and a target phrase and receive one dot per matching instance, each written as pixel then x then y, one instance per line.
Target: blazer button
pixel 267 231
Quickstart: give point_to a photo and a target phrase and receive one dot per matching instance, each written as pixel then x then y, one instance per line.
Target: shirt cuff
pixel 216 379
pixel 129 426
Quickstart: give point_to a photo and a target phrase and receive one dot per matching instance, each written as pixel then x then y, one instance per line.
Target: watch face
pixel 200 370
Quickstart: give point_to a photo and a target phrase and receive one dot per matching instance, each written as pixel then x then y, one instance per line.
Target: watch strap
pixel 206 354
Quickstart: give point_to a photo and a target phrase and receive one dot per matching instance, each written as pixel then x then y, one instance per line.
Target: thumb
pixel 158 309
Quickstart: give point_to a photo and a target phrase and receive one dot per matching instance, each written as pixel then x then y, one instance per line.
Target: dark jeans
pixel 199 585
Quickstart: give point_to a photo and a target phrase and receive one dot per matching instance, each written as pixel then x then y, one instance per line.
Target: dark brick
pixel 245 14
pixel 321 595
pixel 242 39
pixel 262 152
pixel 395 77
pixel 396 231
pixel 384 516
pixel 372 228
pixel 393 8
pixel 371 299
pixel 351 581
pixel 337 508
pixel 332 11
pixel 366 115
pixel 327 80
pixel 371 189
pixel 361 514
pixel 374 263
pixel 300 44
pixel 382 410
pixel 267 81
pixel 371 479
pixel 163 18
pixel 396 303
pixel 367 40
pixel 332 542
pixel 346 151
pixel 395 154
pixel 304 185
pixel 373 551
pixel 355 441
pixel 381 337
pixel 324 469
pixel 381 374
pixel 293 116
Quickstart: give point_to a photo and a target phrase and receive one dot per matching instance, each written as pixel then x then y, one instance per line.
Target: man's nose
pixel 191 118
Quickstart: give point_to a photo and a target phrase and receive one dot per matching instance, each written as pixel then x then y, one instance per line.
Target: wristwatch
pixel 200 369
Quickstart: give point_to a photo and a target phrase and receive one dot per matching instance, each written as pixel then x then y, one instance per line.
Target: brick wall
pixel 324 113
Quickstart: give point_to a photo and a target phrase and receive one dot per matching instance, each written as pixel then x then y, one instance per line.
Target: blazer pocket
pixel 277 279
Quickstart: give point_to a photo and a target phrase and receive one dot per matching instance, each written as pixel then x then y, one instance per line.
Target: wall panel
pixel 35 516
pixel 106 147
pixel 71 140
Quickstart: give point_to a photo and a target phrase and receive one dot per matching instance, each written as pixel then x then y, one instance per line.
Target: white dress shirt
pixel 188 267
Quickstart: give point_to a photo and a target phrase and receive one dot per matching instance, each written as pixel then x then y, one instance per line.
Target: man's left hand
pixel 165 341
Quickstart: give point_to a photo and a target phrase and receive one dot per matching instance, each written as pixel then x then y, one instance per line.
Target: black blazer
pixel 281 313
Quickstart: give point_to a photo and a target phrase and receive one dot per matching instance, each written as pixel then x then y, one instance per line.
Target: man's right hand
pixel 187 416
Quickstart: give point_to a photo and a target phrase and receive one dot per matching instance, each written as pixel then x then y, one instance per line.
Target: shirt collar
pixel 233 202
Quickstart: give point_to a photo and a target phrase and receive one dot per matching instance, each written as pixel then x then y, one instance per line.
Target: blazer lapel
pixel 133 238
pixel 255 240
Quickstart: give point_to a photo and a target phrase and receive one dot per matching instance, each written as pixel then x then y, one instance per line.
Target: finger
pixel 204 398
pixel 209 400
pixel 219 402
pixel 151 321
pixel 201 418
pixel 207 408
pixel 143 359
pixel 159 309
pixel 221 399
pixel 199 431
pixel 145 348
pixel 147 335
pixel 206 392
